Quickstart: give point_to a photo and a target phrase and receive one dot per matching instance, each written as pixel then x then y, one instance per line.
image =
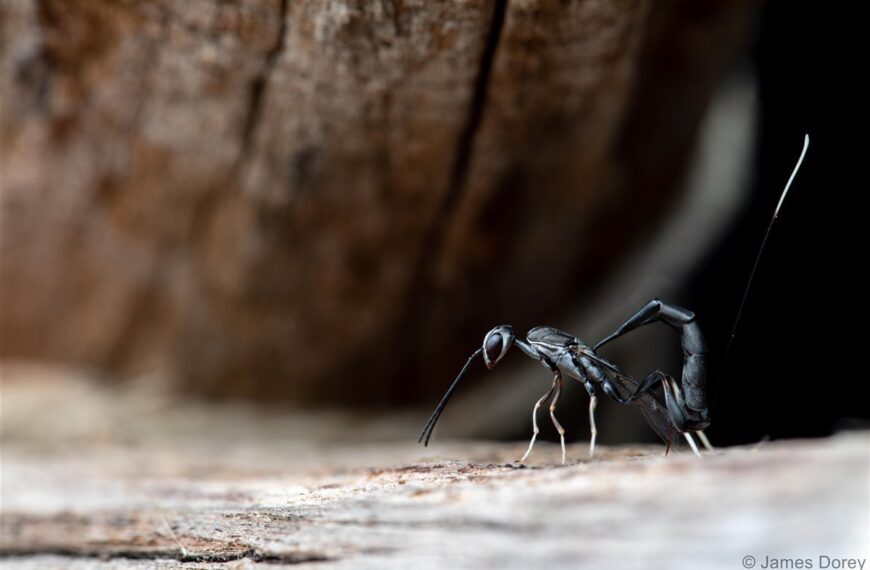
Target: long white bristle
pixel 793 174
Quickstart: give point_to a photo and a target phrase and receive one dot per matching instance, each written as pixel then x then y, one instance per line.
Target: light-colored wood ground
pixel 97 480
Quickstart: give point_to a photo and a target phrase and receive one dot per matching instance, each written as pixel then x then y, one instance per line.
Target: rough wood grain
pixel 123 480
pixel 261 195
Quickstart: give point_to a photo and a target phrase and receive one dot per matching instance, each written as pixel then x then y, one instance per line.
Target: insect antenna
pixel 426 433
pixel 761 250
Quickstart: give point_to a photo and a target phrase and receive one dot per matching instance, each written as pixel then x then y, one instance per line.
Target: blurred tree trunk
pixel 324 200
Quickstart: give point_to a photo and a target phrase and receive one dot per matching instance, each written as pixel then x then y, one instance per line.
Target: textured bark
pixel 264 195
pixel 121 480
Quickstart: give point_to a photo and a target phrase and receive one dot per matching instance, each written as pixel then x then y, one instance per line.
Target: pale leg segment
pixel 692 443
pixel 704 440
pixel 557 382
pixel 593 401
pixel 535 421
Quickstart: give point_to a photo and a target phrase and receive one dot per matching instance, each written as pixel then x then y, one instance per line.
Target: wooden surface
pixel 263 195
pixel 96 479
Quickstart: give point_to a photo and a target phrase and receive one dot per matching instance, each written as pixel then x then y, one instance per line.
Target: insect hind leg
pixel 693 378
pixel 704 440
pixel 692 443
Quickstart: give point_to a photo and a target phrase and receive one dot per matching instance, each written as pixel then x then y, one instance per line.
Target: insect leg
pixel 557 381
pixel 593 401
pixel 693 379
pixel 600 377
pixel 704 440
pixel 677 409
pixel 651 381
pixel 587 373
pixel 649 404
pixel 535 420
pixel 692 444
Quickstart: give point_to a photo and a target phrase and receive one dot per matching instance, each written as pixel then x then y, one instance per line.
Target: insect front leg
pixel 535 429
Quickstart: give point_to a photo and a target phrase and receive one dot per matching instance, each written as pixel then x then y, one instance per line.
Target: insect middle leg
pixel 557 382
pixel 593 401
pixel 584 372
pixel 535 429
pixel 590 375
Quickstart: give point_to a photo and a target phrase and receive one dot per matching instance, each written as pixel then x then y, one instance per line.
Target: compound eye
pixel 493 347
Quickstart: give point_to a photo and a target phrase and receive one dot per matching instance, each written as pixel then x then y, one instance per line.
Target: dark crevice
pixel 395 10
pixel 261 82
pixel 422 279
pixel 464 146
pixel 218 557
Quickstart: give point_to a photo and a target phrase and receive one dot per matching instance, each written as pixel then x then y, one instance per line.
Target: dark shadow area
pixel 793 370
